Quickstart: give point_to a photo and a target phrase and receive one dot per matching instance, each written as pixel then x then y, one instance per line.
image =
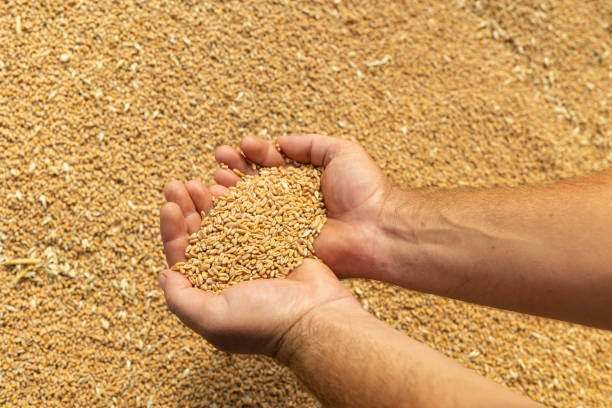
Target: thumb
pixel 315 273
pixel 347 257
pixel 316 149
pixel 199 310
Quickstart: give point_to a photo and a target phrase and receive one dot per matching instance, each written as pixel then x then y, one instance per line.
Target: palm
pixel 250 317
pixel 263 310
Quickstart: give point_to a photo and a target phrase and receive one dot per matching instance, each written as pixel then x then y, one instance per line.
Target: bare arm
pixel 310 322
pixel 543 250
pixel 346 357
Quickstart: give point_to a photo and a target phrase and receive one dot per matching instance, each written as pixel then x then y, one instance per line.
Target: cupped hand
pixel 355 192
pixel 252 316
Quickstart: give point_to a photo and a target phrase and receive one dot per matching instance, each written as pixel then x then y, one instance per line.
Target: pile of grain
pixel 263 228
pixel 102 103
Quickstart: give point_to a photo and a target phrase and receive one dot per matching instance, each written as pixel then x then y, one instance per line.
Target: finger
pixel 310 269
pixel 176 192
pixel 200 196
pixel 315 149
pixel 261 152
pixel 218 190
pixel 201 311
pixel 174 232
pixel 233 159
pixel 226 177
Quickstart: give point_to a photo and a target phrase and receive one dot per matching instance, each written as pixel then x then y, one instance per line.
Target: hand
pixel 250 317
pixel 355 193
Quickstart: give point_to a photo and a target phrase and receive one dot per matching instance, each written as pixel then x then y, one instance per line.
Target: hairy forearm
pixel 543 250
pixel 347 358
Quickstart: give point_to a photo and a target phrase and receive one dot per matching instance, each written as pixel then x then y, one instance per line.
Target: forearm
pixel 347 358
pixel 543 250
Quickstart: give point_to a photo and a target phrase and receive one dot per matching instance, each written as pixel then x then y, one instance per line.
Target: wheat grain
pixel 263 228
pixel 441 117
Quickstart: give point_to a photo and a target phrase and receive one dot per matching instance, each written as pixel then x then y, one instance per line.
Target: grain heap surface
pixel 103 102
pixel 263 228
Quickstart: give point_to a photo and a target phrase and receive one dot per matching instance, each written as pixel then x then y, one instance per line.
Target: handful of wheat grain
pixel 263 228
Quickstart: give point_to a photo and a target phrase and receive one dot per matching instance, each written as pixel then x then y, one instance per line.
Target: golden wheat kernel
pixel 401 112
pixel 257 228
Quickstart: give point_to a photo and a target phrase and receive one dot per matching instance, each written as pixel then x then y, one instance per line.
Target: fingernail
pixel 162 280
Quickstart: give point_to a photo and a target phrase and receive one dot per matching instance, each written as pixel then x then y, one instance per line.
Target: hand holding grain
pixel 354 189
pixel 250 317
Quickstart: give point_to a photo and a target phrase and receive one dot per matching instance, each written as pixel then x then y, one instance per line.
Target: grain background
pixel 103 102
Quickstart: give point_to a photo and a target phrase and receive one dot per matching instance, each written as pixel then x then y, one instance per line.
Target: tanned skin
pixel 543 250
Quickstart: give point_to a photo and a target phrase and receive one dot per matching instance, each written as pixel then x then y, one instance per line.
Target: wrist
pixel 421 248
pixel 404 217
pixel 296 342
pixel 430 245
